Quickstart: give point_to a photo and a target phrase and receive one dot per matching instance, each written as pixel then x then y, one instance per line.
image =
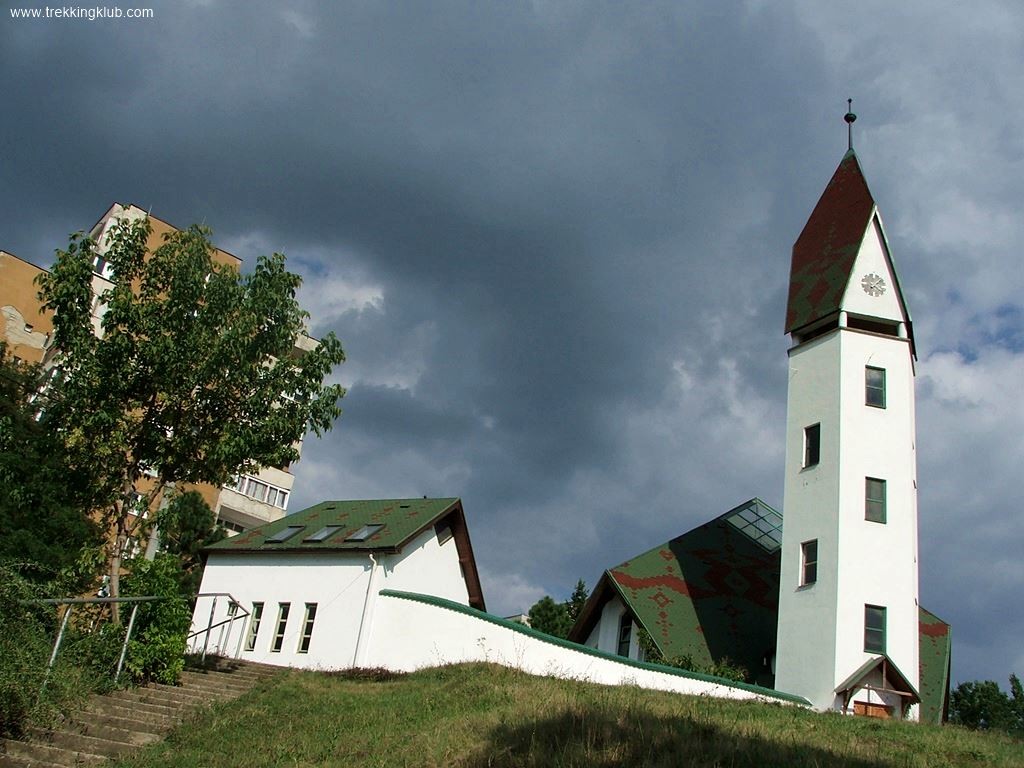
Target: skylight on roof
pixel 324 533
pixel 760 523
pixel 365 532
pixel 284 534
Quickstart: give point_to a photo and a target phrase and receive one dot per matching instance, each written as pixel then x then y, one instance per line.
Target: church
pixel 821 601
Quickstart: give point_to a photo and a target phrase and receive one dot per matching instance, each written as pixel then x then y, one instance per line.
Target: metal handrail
pixel 229 622
pixel 71 602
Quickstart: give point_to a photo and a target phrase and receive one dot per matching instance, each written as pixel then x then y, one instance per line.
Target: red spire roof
pixel 824 254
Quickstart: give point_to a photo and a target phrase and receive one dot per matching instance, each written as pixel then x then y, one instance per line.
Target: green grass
pixel 481 715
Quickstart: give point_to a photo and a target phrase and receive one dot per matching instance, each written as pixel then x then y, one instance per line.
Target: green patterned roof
pixel 825 252
pixel 713 593
pixel 401 520
pixel 935 650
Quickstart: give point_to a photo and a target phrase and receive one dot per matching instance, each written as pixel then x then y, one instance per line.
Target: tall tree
pixel 192 377
pixel 550 617
pixel 577 600
pixel 41 522
pixel 186 525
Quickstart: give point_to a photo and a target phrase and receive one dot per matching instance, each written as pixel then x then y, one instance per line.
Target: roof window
pixel 284 534
pixel 324 533
pixel 365 532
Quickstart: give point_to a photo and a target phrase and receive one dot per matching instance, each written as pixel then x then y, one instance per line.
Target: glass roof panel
pixel 285 534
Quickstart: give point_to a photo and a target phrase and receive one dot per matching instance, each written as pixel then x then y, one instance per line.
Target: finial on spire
pixel 849 118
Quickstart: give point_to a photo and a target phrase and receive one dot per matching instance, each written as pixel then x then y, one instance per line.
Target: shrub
pixel 156 650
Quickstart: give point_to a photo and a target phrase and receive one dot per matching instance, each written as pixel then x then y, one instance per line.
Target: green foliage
pixel 27 632
pixel 186 525
pixel 982 705
pixel 724 667
pixel 156 650
pixel 44 494
pixel 550 617
pixel 577 600
pixel 194 378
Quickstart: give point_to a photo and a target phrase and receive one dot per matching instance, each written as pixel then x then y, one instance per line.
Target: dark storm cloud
pixel 554 237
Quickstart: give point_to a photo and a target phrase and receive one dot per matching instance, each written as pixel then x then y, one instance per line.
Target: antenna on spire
pixel 849 117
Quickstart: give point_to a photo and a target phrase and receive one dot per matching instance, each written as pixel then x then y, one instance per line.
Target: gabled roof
pixel 339 526
pixel 825 252
pixel 711 593
pixel 893 680
pixel 401 519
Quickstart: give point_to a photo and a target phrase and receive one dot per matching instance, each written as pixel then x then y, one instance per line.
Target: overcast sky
pixel 554 238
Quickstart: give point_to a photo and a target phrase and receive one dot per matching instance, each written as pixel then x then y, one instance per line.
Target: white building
pixel 848 629
pixel 303 590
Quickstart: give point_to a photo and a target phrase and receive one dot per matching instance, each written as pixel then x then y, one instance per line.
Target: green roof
pixel 713 593
pixel 401 519
pixel 935 650
pixel 710 594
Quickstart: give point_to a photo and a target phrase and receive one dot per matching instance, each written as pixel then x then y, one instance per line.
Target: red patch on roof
pixel 824 254
pixel 934 630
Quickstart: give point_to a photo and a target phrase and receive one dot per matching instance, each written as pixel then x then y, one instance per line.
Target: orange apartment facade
pixel 249 500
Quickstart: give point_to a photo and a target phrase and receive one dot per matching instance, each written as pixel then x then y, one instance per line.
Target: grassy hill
pixel 484 715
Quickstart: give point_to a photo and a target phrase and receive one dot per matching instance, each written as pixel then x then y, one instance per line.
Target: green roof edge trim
pixel 441 602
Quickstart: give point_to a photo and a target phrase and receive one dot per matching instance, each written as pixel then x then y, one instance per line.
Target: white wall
pixel 337 582
pixel 605 634
pixel 409 635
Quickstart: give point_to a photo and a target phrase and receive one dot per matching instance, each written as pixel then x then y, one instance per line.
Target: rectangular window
pixel 874 500
pixel 874 386
pixel 874 629
pixel 254 626
pixel 809 562
pixel 282 623
pixel 307 628
pixel 812 445
pixel 625 634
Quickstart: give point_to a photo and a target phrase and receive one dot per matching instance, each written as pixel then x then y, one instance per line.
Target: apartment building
pixel 248 500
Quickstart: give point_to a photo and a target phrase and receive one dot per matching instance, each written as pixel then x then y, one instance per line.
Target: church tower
pixel 848 613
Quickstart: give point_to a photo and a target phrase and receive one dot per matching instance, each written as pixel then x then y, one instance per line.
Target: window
pixel 365 532
pixel 874 386
pixel 254 626
pixel 307 628
pixel 808 562
pixel 282 623
pixel 285 534
pixel 812 445
pixel 874 500
pixel 625 634
pixel 324 533
pixel 874 629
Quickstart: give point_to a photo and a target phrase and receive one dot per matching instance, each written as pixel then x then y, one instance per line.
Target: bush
pixel 724 667
pixel 156 650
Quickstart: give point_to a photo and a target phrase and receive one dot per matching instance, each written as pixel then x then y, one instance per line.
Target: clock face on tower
pixel 873 285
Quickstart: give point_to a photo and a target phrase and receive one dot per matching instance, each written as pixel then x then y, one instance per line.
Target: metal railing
pixel 236 612
pixel 71 602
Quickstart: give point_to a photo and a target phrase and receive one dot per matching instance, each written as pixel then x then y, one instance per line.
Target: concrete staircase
pixel 109 726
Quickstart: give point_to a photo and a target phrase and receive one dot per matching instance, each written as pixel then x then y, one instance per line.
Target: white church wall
pixel 412 632
pixel 880 559
pixel 805 657
pixel 872 259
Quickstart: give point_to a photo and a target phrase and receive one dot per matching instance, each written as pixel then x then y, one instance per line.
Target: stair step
pixel 121 723
pixel 141 703
pixel 139 735
pixel 42 753
pixel 77 742
pixel 124 709
pixel 10 761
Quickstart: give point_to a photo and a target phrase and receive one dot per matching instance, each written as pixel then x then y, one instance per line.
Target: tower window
pixel 812 445
pixel 874 386
pixel 282 623
pixel 625 634
pixel 254 626
pixel 808 562
pixel 874 629
pixel 874 500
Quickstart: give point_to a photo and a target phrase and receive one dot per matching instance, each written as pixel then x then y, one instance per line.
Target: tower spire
pixel 849 117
